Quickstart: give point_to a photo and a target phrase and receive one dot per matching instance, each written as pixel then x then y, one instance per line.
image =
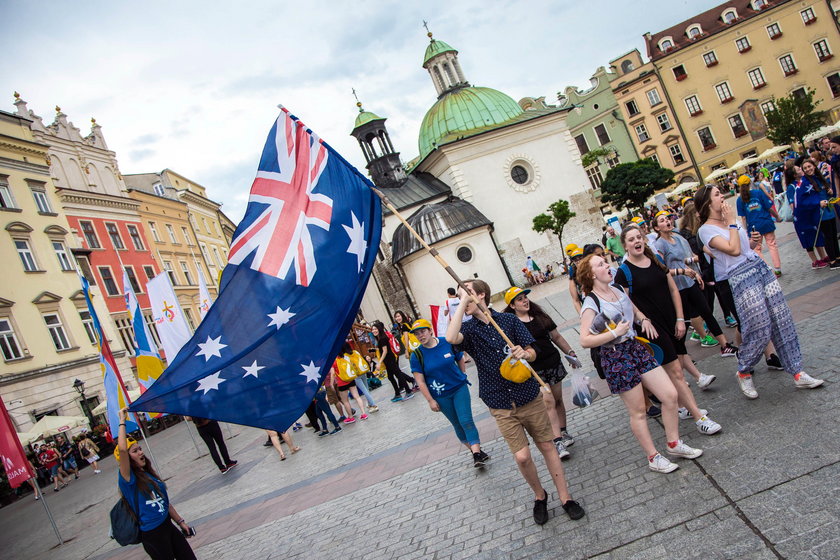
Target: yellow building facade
pixel 47 339
pixel 650 118
pixel 722 68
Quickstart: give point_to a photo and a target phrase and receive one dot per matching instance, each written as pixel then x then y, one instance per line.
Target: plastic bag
pixel 783 208
pixel 582 392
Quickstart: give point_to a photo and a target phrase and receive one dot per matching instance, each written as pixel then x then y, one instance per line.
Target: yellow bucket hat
pixel 744 180
pixel 570 247
pixel 515 370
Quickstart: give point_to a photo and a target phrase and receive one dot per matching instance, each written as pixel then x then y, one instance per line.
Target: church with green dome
pixel 485 166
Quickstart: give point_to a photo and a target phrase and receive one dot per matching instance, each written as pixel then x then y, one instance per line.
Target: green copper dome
pixel 365 117
pixel 463 111
pixel 435 48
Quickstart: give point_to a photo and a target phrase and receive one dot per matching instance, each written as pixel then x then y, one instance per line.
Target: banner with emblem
pixel 298 266
pixel 12 456
pixel 172 327
pixel 203 295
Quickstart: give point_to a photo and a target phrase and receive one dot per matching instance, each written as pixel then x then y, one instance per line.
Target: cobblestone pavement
pixel 399 486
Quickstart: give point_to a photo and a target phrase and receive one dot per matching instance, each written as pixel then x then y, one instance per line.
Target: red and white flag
pixel 14 459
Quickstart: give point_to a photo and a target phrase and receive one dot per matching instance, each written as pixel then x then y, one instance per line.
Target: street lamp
pixel 79 386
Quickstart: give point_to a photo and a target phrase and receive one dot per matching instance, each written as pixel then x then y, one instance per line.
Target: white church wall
pixel 373 306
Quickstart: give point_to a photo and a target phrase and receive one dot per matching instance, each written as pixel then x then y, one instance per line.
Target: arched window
pixel 729 16
pixel 666 44
pixel 694 31
pixel 449 75
pixel 758 4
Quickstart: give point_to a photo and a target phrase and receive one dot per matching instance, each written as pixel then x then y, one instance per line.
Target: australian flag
pixel 297 269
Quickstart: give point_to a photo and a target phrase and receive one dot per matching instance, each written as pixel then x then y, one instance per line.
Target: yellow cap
pixel 638 220
pixel 420 324
pixel 570 247
pixel 511 294
pixel 744 180
pixel 661 213
pixel 576 252
pixel 129 442
pixel 685 200
pixel 515 370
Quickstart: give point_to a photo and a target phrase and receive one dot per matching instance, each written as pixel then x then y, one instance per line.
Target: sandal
pixel 296 449
pixel 282 457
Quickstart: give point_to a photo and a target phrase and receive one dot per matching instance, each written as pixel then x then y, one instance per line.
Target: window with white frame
pixel 150 324
pixel 676 154
pixel 136 240
pixel 729 16
pixel 706 138
pixel 743 44
pixel 653 97
pixel 821 48
pixel 693 105
pixel 108 281
pixel 114 235
pixel 57 333
pixel 204 223
pixel 632 108
pixel 756 78
pixel 583 147
pixel 694 31
pixel 167 266
pixel 6 198
pixel 160 190
pixel 89 234
pixel 188 315
pixel 642 133
pixel 171 231
pixel 126 331
pixel 85 268
pixel 799 93
pixel 767 106
pixel 758 4
pixel 808 16
pixel 218 258
pixel 205 254
pixel 87 323
pixel 788 65
pixel 39 193
pixel 774 31
pixel 24 251
pixel 723 92
pixel 149 271
pixel 710 58
pixel 613 161
pixel 186 235
pixel 665 44
pixel 132 279
pixel 736 123
pixel 153 229
pixel 834 84
pixel 654 157
pixel 9 345
pixel 664 122
pixel 679 72
pixel 601 133
pixel 594 176
pixel 187 276
pixel 61 253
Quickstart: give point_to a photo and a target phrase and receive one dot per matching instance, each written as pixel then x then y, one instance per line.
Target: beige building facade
pixel 722 68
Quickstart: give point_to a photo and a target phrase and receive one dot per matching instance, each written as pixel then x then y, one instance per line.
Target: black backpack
pixel 125 522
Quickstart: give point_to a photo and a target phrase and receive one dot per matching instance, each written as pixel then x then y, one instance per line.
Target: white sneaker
pixel 706 425
pixel 661 464
pixel 705 380
pixel 684 414
pixel 561 449
pixel 683 450
pixel 805 381
pixel 747 387
pixel 96 472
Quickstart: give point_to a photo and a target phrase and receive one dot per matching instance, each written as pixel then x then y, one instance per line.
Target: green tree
pixel 557 218
pixel 794 117
pixel 631 184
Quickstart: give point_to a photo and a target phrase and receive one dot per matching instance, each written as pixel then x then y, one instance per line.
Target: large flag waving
pixel 149 364
pixel 115 392
pixel 298 266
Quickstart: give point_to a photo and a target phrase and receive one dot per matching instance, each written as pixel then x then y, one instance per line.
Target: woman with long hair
pixel 816 182
pixel 399 381
pixel 607 322
pixel 653 291
pixel 762 310
pixel 549 364
pixel 758 214
pixel 146 495
pixel 806 216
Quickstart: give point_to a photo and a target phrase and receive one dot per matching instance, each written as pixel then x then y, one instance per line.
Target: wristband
pixel 612 332
pixel 733 226
pixel 122 424
pixel 680 319
pixel 179 521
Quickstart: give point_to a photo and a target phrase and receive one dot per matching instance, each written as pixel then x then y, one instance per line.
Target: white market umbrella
pixel 684 187
pixel 822 131
pixel 133 394
pixel 773 151
pixel 26 437
pixel 716 174
pixel 745 162
pixel 53 425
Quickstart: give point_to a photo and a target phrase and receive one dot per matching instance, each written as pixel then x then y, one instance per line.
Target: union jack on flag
pixel 288 172
pixel 260 353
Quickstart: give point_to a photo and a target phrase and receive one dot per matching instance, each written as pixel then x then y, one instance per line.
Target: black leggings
pixel 312 416
pixel 212 435
pixel 829 230
pixel 727 300
pixel 166 542
pixel 694 304
pixel 399 380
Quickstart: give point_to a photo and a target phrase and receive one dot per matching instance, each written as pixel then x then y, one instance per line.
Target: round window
pixel 519 174
pixel 465 254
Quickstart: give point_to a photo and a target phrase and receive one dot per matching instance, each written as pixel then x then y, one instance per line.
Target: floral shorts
pixel 624 364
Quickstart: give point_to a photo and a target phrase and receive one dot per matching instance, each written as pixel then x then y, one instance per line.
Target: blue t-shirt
pixel 153 509
pixel 757 212
pixel 440 367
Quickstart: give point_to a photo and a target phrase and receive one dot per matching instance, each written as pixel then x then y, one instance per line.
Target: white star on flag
pixel 311 372
pixel 358 246
pixel 280 317
pixel 212 347
pixel 210 382
pixel 253 369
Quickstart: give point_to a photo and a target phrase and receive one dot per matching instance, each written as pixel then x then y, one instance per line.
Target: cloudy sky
pixel 193 86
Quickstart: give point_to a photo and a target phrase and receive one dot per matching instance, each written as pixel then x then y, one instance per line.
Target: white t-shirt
pixel 622 307
pixel 725 264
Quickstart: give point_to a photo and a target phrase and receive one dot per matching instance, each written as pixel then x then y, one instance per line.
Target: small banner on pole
pixel 14 459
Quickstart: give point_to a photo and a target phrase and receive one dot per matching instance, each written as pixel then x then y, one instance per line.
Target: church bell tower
pixel 383 161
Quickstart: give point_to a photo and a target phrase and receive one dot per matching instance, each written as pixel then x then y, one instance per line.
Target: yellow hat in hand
pixel 515 370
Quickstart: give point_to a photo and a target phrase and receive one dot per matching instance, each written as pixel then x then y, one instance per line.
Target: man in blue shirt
pixel 517 407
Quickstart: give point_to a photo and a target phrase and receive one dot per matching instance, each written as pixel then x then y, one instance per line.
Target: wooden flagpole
pixel 480 303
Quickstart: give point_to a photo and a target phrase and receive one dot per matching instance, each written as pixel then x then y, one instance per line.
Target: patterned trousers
pixel 764 316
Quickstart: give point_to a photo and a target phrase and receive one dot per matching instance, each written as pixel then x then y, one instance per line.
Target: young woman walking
pixel 399 381
pixel 762 310
pixel 628 366
pixel 654 293
pixel 549 364
pixel 806 216
pixel 440 372
pixel 162 531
